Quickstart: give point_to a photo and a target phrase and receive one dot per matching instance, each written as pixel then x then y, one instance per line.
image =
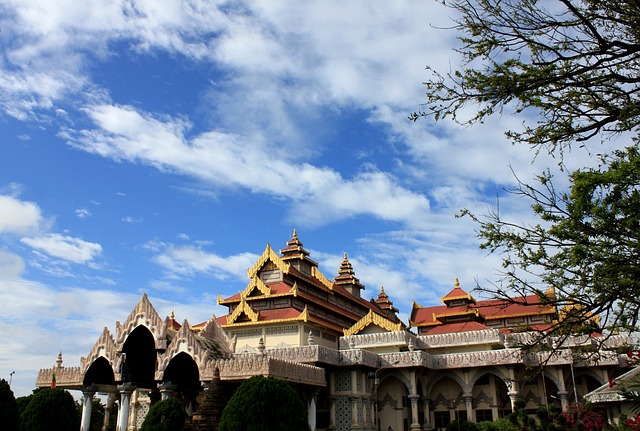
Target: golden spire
pixel 456 284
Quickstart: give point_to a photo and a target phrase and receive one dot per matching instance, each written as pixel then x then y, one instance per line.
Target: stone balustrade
pixel 489 336
pixel 476 359
pixel 383 339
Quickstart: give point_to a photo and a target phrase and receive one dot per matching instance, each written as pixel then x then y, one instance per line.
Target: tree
pixel 165 415
pixel 9 417
pixel 51 409
pixel 264 404
pixel 575 65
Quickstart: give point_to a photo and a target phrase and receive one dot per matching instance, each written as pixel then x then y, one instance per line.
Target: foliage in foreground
pixel 264 404
pixel 9 417
pixel 50 410
pixel 165 415
pixel 573 66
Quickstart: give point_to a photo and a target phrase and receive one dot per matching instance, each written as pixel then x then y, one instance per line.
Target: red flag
pixel 53 379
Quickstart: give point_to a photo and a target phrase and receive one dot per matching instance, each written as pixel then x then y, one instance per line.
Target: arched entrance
pixel 393 406
pixel 447 402
pixel 490 398
pixel 140 358
pixel 99 373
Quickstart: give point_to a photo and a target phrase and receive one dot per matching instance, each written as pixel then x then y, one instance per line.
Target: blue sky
pixel 159 146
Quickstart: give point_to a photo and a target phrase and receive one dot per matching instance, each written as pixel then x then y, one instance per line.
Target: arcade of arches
pixel 355 364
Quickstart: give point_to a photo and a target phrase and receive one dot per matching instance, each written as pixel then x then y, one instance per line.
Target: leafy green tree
pixel 9 417
pixel 50 410
pixel 264 404
pixel 520 419
pixel 165 415
pixel 573 68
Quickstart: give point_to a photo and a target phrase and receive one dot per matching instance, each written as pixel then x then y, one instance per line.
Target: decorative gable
pixel 105 347
pixel 255 287
pixel 242 309
pixel 184 342
pixel 372 318
pixel 268 255
pixel 142 314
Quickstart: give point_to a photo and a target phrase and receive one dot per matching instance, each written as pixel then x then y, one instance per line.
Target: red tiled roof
pixel 456 327
pixel 489 309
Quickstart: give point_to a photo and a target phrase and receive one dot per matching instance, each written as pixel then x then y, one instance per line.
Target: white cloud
pixel 83 213
pixel 19 217
pixel 191 260
pixel 65 247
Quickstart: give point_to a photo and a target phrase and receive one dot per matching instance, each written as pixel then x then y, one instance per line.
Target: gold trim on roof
pixel 268 254
pixel 315 272
pixel 256 282
pixel 294 289
pixel 243 307
pixel 219 300
pixel 373 318
pixel 304 316
pixel 459 313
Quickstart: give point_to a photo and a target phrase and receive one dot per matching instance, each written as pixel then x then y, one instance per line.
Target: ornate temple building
pixel 354 363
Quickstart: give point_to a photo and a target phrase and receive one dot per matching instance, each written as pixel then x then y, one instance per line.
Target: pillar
pixel 415 423
pixel 468 402
pixel 311 412
pixel 111 398
pixel 125 400
pixel 564 402
pixel 332 413
pixel 428 423
pixel 87 403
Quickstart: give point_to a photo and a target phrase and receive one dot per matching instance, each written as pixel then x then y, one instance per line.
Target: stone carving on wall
pixel 105 346
pixel 488 336
pixel 143 314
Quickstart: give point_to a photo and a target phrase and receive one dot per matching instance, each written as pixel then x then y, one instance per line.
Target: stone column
pixel 468 402
pixel 415 423
pixel 311 412
pixel 332 413
pixel 428 424
pixel 87 403
pixel 564 402
pixel 111 398
pixel 125 400
pixel 354 412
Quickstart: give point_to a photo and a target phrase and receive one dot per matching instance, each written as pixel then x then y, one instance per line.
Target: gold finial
pixel 173 315
pixel 457 284
pixel 345 255
pixel 381 289
pixel 295 233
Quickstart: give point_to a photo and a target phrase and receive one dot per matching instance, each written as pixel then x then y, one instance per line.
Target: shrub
pixel 264 404
pixel 165 415
pixel 9 417
pixel 50 410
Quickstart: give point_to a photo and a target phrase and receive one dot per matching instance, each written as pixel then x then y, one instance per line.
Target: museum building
pixel 354 363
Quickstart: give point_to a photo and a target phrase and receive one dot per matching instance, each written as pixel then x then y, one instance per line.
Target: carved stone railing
pixel 381 339
pixel 66 377
pixel 416 358
pixel 617 341
pixel 599 358
pixel 522 339
pixel 306 354
pixel 488 336
pixel 477 359
pixel 549 357
pixel 242 367
pixel 358 357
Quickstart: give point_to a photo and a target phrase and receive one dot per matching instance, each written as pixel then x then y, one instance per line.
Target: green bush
pixel 264 404
pixel 50 410
pixel 165 415
pixel 501 424
pixel 9 417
